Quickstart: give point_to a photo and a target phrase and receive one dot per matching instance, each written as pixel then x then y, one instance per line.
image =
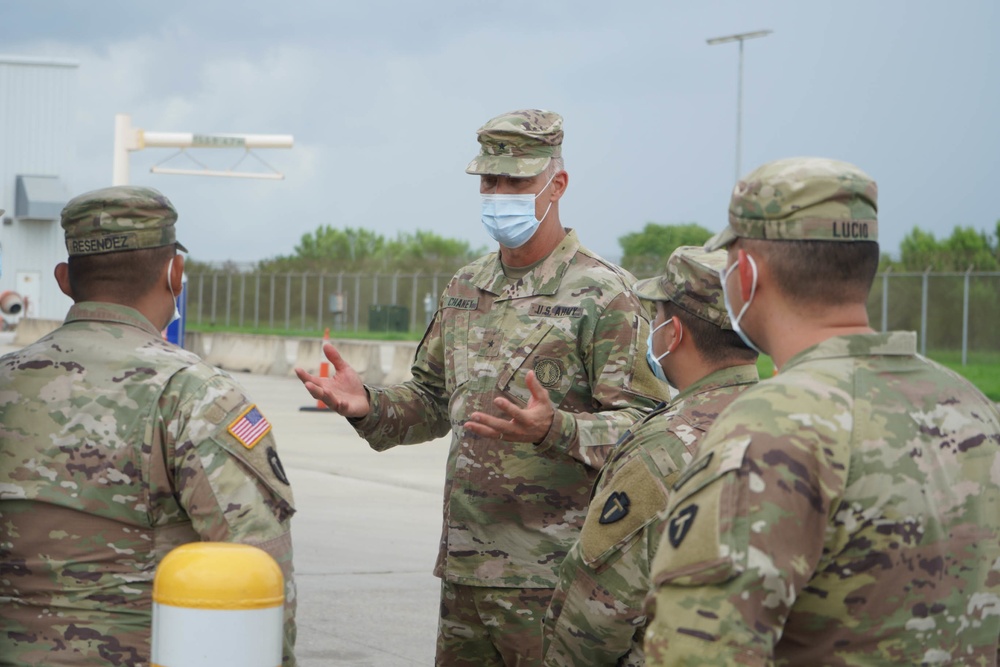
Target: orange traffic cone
pixel 324 372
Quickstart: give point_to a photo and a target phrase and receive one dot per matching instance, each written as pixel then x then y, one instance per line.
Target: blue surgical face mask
pixel 177 310
pixel 735 319
pixel 651 358
pixel 510 219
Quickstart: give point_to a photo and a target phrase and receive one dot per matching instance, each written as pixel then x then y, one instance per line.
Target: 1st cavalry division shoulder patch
pixel 250 427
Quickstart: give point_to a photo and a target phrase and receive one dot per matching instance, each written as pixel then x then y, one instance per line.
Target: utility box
pixel 388 318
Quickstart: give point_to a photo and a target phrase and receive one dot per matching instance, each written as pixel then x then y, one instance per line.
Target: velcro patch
pixel 710 509
pixel 250 427
pixel 615 515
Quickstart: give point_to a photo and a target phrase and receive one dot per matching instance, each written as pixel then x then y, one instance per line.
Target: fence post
pixel 256 302
pixel 965 318
pixel 288 300
pixel 413 301
pixel 229 296
pixel 319 313
pixel 303 300
pixel 885 300
pixel 923 312
pixel 357 298
pixel 272 303
pixel 340 290
pixel 215 289
pixel 201 301
pixel 243 294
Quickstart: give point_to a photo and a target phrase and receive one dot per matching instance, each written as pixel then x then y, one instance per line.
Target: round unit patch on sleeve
pixel 250 427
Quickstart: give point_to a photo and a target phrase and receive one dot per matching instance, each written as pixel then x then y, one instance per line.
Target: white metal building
pixel 37 141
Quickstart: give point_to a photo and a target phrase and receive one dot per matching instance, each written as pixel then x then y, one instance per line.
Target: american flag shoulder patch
pixel 250 427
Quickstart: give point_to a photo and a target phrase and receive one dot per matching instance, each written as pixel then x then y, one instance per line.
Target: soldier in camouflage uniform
pixel 596 616
pixel 845 511
pixel 118 446
pixel 534 362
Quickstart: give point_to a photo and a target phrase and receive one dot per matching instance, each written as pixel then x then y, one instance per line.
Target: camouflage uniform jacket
pixel 596 616
pixel 116 449
pixel 843 512
pixel 513 509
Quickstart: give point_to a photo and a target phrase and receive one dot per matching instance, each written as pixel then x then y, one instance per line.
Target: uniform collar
pixel 892 343
pixel 724 377
pixel 95 311
pixel 543 280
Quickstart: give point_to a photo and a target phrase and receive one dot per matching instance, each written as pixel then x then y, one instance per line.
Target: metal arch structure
pixel 129 138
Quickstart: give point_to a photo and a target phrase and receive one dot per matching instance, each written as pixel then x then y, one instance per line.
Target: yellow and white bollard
pixel 216 603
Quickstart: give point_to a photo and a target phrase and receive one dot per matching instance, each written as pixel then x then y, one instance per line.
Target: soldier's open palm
pixel 344 392
pixel 528 424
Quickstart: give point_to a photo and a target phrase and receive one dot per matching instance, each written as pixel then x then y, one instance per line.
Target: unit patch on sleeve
pixel 615 508
pixel 250 427
pixel 276 467
pixel 679 526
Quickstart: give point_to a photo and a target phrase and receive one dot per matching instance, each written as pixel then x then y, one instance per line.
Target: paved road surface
pixel 365 534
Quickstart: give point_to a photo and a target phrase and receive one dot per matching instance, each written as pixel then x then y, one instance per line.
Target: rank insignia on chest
pixel 679 526
pixel 615 507
pixel 250 427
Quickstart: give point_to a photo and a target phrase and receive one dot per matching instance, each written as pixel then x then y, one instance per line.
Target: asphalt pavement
pixel 365 534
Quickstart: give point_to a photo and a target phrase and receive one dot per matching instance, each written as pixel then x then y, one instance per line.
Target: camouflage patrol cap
pixel 518 143
pixel 692 282
pixel 804 198
pixel 117 219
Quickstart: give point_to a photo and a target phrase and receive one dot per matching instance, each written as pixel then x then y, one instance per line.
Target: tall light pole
pixel 739 87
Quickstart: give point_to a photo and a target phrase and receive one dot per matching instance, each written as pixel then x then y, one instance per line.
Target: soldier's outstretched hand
pixel 529 424
pixel 344 392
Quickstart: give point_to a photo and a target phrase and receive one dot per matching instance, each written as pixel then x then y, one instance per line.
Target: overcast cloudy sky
pixel 384 98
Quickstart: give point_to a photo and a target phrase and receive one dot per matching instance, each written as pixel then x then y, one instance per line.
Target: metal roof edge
pixel 38 61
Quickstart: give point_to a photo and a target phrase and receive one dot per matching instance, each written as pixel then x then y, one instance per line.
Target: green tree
pixel 965 248
pixel 428 252
pixel 349 250
pixel 348 244
pixel 646 252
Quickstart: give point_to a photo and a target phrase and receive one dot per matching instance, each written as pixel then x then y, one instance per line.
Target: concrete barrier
pixel 399 364
pixel 379 363
pixel 30 329
pixel 247 353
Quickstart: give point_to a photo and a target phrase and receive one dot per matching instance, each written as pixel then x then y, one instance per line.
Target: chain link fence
pixel 311 302
pixel 951 312
pixel 956 312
